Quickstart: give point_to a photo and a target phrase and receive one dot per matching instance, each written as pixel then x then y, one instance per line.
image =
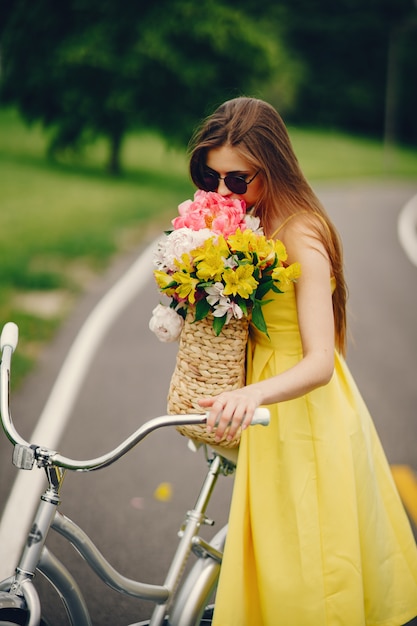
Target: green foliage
pixel 202 309
pixel 95 70
pixel 89 68
pixel 62 223
pixel 345 48
pixel 218 323
pixel 258 317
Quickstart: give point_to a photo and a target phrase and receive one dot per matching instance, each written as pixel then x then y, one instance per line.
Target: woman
pixel 317 533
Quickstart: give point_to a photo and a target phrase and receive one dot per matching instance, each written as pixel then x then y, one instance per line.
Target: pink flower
pixel 222 215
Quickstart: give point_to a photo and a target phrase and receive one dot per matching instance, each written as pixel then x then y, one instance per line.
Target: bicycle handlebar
pixel 261 417
pixel 8 343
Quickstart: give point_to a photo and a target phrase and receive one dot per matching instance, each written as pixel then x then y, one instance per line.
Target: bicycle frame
pixel 36 556
pixel 184 601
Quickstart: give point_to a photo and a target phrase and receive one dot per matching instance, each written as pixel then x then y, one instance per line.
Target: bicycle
pixel 182 600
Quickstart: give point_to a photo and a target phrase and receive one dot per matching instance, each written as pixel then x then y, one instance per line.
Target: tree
pixel 100 67
pixel 345 47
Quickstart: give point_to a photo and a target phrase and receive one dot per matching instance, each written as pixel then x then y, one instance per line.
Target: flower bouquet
pixel 216 266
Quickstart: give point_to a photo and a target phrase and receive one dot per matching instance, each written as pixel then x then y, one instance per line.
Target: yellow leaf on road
pixel 163 492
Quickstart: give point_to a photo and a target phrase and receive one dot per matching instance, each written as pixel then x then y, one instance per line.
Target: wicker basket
pixel 207 365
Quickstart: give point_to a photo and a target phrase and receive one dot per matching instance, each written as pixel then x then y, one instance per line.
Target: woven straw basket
pixel 207 365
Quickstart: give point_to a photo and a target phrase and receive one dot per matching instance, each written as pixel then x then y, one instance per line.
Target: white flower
pixel 222 305
pixel 229 308
pixel 178 242
pixel 231 262
pixel 253 223
pixel 166 323
pixel 215 292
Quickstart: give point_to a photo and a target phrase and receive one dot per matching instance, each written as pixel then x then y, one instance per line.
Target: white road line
pixel 20 507
pixel 407 229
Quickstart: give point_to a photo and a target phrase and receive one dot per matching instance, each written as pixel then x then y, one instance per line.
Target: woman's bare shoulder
pixel 303 223
pixel 304 231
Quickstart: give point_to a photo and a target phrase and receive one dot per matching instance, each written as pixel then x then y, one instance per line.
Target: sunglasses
pixel 235 184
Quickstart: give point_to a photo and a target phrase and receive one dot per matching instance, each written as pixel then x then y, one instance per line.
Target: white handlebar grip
pixel 9 336
pixel 262 416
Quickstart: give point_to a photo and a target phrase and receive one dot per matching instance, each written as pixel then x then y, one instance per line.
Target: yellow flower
pixel 210 268
pixel 209 258
pixel 243 241
pixel 217 244
pixel 293 271
pixel 286 275
pixel 239 281
pixel 265 250
pixel 280 250
pixel 186 286
pixel 185 264
pixel 162 279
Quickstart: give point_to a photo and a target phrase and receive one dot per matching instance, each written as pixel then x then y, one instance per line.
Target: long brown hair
pixel 255 129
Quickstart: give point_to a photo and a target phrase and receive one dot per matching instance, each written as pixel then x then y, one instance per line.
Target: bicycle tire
pixel 193 603
pixel 205 619
pixel 16 617
pixel 207 616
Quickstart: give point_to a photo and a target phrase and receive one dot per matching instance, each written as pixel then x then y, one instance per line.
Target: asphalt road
pixel 134 508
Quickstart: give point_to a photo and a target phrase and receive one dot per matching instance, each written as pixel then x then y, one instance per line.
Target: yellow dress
pixel 317 533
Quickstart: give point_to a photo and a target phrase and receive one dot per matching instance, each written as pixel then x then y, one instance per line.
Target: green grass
pixel 61 221
pixel 327 155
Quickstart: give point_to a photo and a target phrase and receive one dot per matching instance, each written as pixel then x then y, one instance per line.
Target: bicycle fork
pixel 190 541
pixel 21 584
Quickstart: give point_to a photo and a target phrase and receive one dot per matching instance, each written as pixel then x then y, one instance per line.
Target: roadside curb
pixel 407 229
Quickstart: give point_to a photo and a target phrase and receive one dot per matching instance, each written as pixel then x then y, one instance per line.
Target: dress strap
pixel 290 217
pixel 285 222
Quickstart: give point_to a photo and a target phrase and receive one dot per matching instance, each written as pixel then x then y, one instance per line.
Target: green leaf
pixel 218 323
pixel 178 309
pixel 173 283
pixel 202 309
pixel 258 319
pixel 243 305
pixel 263 288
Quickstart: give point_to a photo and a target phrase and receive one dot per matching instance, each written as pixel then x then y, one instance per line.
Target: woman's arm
pixel 315 317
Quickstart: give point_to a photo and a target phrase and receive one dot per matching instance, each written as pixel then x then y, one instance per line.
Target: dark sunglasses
pixel 235 184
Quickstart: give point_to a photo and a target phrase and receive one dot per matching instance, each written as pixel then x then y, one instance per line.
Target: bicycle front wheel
pixel 192 606
pixel 205 619
pixel 207 616
pixel 16 617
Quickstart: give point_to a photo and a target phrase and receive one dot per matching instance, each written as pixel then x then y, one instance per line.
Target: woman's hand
pixel 233 409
